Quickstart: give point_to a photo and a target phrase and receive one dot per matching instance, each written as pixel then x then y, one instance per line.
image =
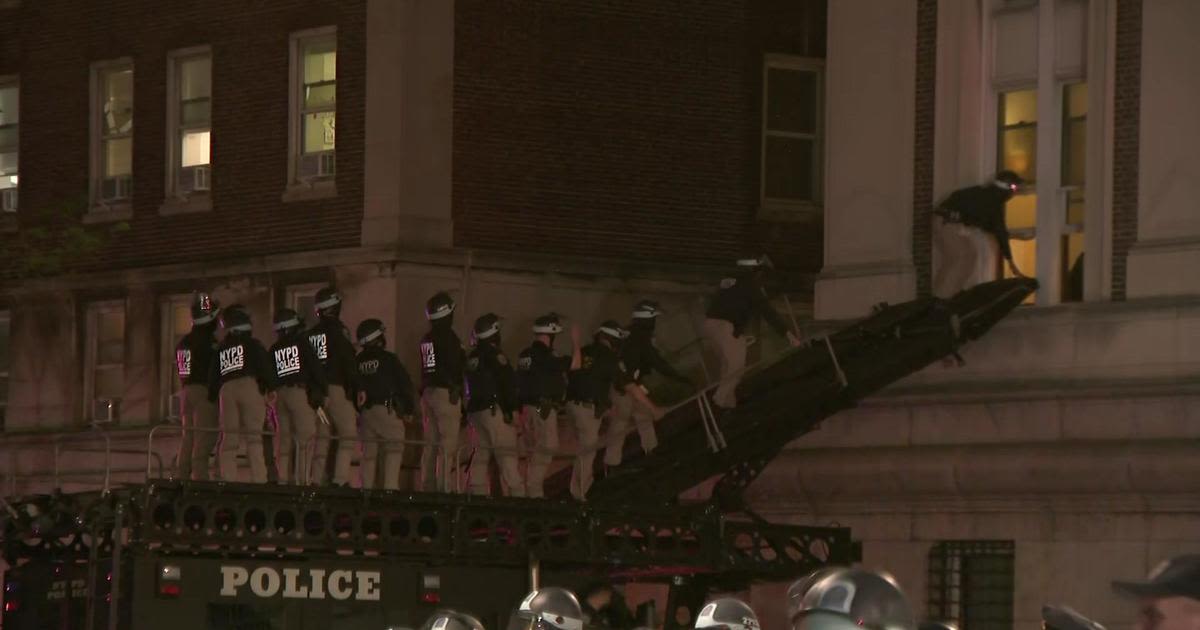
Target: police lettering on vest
pixel 287 360
pixel 368 367
pixel 232 358
pixel 296 583
pixel 183 360
pixel 428 357
pixel 320 344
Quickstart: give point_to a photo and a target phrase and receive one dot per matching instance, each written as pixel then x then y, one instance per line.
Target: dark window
pixel 971 584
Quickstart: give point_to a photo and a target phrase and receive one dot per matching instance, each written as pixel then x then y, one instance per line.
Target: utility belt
pixel 544 407
pixel 453 393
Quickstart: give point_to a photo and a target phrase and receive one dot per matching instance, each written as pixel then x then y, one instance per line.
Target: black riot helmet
pixel 645 315
pixel 756 263
pixel 1009 182
pixel 236 319
pixel 1066 618
pixel 727 613
pixel 487 328
pixel 448 619
pixel 800 588
pixel 548 324
pixel 854 599
pixel 205 309
pixel 327 303
pixel 612 332
pixel 549 608
pixel 439 307
pixel 287 321
pixel 370 333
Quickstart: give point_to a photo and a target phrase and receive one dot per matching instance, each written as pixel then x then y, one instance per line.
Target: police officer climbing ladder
pixel 442 358
pixel 301 391
pixel 541 388
pixel 386 400
pixel 193 359
pixel 241 376
pixel 331 343
pixel 491 403
pixel 960 220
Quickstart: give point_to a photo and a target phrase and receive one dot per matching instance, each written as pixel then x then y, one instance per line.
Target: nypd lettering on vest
pixel 320 344
pixel 296 583
pixel 232 359
pixel 183 361
pixel 370 366
pixel 287 360
pixel 428 356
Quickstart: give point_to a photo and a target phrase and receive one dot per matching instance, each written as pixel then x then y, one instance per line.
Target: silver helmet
pixel 1066 618
pixel 550 608
pixel 853 599
pixel 800 588
pixel 448 619
pixel 727 613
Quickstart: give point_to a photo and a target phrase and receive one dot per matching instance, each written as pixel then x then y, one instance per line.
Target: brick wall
pixel 923 142
pixel 52 43
pixel 625 128
pixel 1126 116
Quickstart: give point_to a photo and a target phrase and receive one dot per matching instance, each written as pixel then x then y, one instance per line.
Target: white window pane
pixel 320 62
pixel 9 105
pixel 1016 45
pixel 195 112
pixel 316 96
pixel 318 132
pixel 195 145
pixel 791 100
pixel 9 138
pixel 195 78
pixel 118 157
pixel 110 382
pixel 118 101
pixel 8 164
pixel 789 168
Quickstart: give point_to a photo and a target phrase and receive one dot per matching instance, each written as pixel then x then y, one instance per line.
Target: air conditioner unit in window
pixel 316 165
pixel 105 410
pixel 116 188
pixel 8 200
pixel 200 179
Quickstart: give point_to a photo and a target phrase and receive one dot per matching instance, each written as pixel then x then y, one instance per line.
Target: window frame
pixel 946 598
pixel 195 200
pixel 783 209
pixel 13 204
pixel 312 187
pixel 92 311
pixel 169 378
pixel 119 206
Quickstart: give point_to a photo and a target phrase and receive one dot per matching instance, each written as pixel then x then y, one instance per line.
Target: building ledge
pixel 108 213
pixel 309 191
pixel 185 205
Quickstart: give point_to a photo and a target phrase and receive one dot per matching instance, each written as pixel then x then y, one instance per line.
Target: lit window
pixel 190 121
pixel 10 111
pixel 176 322
pixel 105 360
pixel 791 132
pixel 112 123
pixel 1017 146
pixel 971 584
pixel 314 105
pixel 5 362
pixel 1074 162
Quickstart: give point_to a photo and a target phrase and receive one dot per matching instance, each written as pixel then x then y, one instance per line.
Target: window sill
pixel 185 205
pixel 104 213
pixel 8 222
pixel 790 212
pixel 308 191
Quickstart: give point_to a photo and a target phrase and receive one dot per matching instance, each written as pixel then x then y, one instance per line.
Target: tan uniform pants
pixel 196 446
pixel 380 423
pixel 587 430
pixel 957 254
pixel 494 438
pixel 625 408
pixel 545 436
pixel 732 354
pixel 344 428
pixel 297 426
pixel 439 457
pixel 242 409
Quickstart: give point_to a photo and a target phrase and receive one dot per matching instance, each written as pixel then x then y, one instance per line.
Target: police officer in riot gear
pixel 541 388
pixel 739 300
pixel 301 391
pixel 330 340
pixel 241 377
pixel 549 608
pixel 798 589
pixel 726 613
pixel 491 403
pixel 641 358
pixel 447 619
pixel 958 222
pixel 442 359
pixel 193 359
pixel 851 599
pixel 386 400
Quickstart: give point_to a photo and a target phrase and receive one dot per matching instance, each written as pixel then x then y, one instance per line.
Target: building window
pixel 1016 145
pixel 105 360
pixel 5 362
pixel 176 322
pixel 10 114
pixel 1074 162
pixel 971 584
pixel 112 132
pixel 189 120
pixel 301 298
pixel 313 105
pixel 791 133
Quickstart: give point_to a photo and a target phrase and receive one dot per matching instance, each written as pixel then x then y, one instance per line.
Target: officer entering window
pixel 641 358
pixel 301 391
pixel 330 341
pixel 958 225
pixel 541 388
pixel 739 300
pixel 240 378
pixel 193 359
pixel 386 400
pixel 590 393
pixel 442 358
pixel 491 403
